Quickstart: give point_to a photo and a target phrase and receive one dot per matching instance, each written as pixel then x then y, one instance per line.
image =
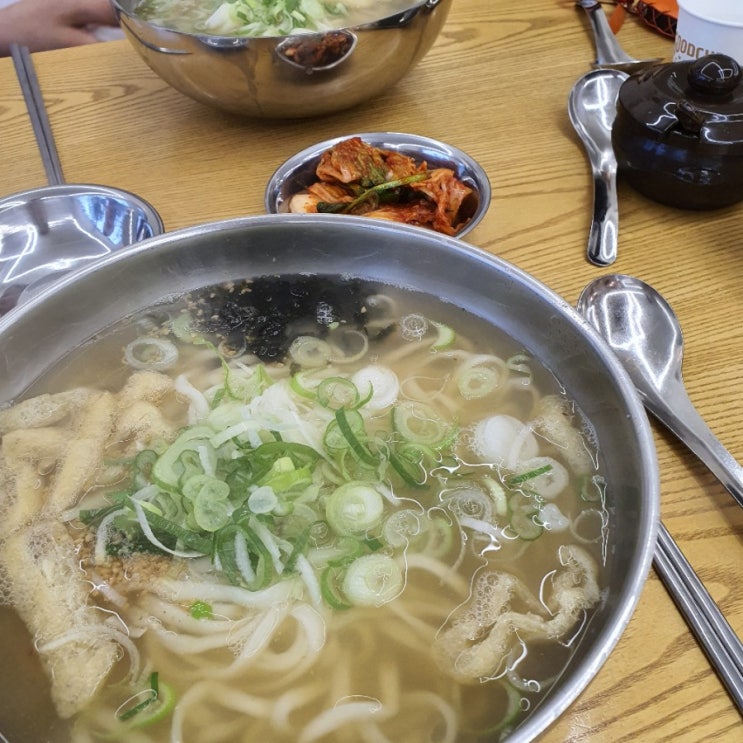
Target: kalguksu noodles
pixel 266 17
pixel 380 523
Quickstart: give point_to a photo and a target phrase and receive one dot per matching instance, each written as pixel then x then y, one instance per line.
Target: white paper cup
pixel 709 27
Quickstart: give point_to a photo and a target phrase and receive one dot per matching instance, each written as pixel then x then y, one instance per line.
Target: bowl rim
pixel 154 220
pixel 467 168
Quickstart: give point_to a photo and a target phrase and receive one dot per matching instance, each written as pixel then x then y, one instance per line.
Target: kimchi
pixel 357 178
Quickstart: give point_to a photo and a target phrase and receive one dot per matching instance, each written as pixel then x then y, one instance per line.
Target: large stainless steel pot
pixel 68 313
pixel 257 77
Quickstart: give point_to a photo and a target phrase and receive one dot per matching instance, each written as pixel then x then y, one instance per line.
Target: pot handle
pixel 690 118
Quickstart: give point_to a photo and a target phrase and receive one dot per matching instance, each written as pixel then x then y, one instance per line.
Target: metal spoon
pixel 609 53
pixel 643 332
pixel 592 108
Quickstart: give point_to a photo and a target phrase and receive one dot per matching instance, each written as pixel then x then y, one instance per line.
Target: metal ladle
pixel 592 109
pixel 48 231
pixel 645 335
pixel 609 53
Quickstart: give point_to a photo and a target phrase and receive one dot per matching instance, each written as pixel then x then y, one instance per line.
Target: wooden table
pixel 495 85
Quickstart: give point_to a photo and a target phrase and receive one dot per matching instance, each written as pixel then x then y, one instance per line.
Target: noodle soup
pixel 294 511
pixel 266 17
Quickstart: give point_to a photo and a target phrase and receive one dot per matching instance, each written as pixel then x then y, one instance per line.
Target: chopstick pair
pixel 24 69
pixel 716 637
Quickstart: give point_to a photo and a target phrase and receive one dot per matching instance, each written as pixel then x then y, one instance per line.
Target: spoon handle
pixel 602 237
pixel 676 411
pixel 716 637
pixel 608 50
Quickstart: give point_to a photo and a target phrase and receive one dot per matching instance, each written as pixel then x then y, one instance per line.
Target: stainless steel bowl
pixel 76 308
pixel 298 172
pixel 255 76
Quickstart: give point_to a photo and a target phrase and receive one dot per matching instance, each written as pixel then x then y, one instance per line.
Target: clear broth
pixel 370 653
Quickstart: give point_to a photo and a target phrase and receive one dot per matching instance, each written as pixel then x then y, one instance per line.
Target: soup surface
pixel 266 17
pixel 294 511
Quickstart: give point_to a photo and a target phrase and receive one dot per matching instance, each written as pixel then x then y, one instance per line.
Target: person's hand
pixel 52 24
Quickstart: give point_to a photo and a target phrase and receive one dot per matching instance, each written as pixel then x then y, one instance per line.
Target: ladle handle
pixel 24 69
pixel 603 235
pixel 608 50
pixel 678 413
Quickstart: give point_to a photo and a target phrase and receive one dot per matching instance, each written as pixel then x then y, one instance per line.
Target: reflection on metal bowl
pixel 317 52
pixel 253 76
pixel 48 231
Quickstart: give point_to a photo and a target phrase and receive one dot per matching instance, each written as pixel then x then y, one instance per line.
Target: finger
pixel 91 13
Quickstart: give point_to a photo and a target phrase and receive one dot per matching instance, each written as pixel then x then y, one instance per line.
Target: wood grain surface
pixel 495 85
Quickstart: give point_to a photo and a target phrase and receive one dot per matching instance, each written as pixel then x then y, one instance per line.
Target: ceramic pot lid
pixel 701 98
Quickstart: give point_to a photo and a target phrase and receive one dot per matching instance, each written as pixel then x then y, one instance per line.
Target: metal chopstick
pixel 716 637
pixel 26 74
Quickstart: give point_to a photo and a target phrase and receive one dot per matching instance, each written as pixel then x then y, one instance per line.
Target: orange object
pixel 660 15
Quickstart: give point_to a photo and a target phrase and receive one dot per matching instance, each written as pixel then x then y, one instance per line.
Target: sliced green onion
pixel 149 521
pixel 345 352
pixel 524 517
pixel 210 512
pixel 498 493
pixel 298 548
pixel 169 467
pixel 419 423
pixel 242 557
pixel 351 425
pixel 525 476
pixel 205 486
pixel 544 476
pixel 154 354
pixel 330 580
pixel 471 502
pixel 262 500
pixel 240 386
pixel 445 337
pixel 408 467
pixel 402 527
pixel 142 467
pixel 337 392
pixel 304 385
pixel 285 475
pixel 521 364
pixel 354 508
pixel 380 384
pixel 201 610
pixel 477 382
pixel 158 703
pixel 343 207
pixel 311 352
pixel 373 580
